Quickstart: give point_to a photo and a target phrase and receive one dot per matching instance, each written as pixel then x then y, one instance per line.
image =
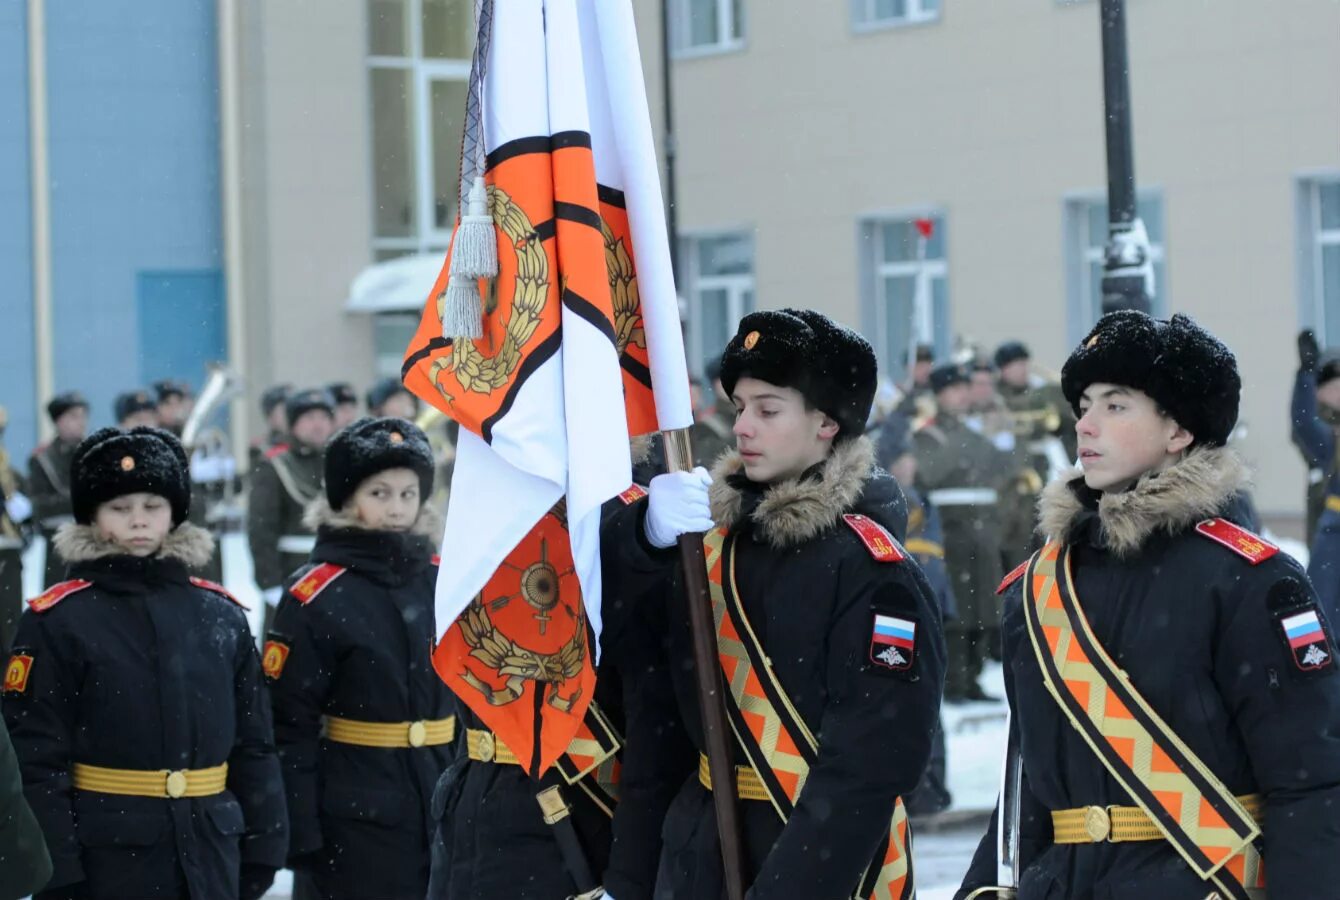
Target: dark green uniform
pixel 962 474
pixel 281 487
pixel 49 480
pixel 1044 431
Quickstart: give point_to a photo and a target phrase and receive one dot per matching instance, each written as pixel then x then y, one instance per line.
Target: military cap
pixel 111 463
pixel 363 448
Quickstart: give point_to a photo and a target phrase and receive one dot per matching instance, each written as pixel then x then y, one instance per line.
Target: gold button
pixel 1097 824
pixel 418 734
pixel 750 340
pixel 176 784
pixel 486 748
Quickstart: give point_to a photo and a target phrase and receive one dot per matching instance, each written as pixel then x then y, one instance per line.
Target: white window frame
pixel 1079 256
pixel 681 27
pixel 864 17
pixel 736 287
pixel 876 271
pixel 427 237
pixel 1312 238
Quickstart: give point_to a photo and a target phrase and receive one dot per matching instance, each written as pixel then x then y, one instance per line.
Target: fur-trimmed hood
pixel 318 513
pixel 1202 485
pixel 191 544
pixel 793 511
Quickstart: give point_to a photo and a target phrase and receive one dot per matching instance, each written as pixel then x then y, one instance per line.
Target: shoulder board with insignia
pixel 1251 547
pixel 56 593
pixel 882 545
pixel 306 588
pixel 436 559
pixel 1015 574
pixel 274 451
pixel 633 494
pixel 218 589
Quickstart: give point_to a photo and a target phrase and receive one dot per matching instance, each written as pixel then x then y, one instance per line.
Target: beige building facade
pixel 810 137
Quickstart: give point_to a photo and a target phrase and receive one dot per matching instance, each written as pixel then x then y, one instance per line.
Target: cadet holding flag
pixel 828 635
pixel 1171 678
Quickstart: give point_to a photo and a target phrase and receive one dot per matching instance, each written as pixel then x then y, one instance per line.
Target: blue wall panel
pixel 17 379
pixel 133 95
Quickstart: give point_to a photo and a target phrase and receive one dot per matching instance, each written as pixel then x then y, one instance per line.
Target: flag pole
pixel 711 700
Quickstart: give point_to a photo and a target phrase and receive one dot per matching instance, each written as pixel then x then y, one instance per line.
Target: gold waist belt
pixel 747 783
pixel 151 783
pixel 1117 824
pixel 484 746
pixel 394 735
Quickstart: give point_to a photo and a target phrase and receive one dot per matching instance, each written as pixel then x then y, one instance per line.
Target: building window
pixel 419 66
pixel 720 269
pixel 1320 257
pixel 907 289
pixel 1086 237
pixel 706 26
pixel 880 13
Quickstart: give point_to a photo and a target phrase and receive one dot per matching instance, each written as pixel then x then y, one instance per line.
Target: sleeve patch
pixel 633 494
pixel 307 588
pixel 218 589
pixel 56 593
pixel 883 546
pixel 273 658
pixel 1251 547
pixel 1015 574
pixel 893 642
pixel 1302 630
pixel 17 672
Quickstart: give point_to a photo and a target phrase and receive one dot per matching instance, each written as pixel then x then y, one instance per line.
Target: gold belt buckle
pixel 176 784
pixel 1098 824
pixel 418 734
pixel 487 750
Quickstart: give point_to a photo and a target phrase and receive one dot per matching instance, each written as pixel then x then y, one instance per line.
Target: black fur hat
pixel 384 390
pixel 306 401
pixel 111 463
pixel 275 395
pixel 947 375
pixel 132 402
pixel 362 449
pixel 1009 352
pixel 342 392
pixel 60 404
pixel 1186 370
pixel 831 365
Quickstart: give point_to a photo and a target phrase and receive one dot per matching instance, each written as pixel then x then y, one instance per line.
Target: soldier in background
pixel 282 484
pixel 276 422
pixel 1043 421
pixel 173 404
pixel 15 510
pixel 49 475
pixel 918 400
pixel 1315 413
pixel 961 473
pixel 389 398
pixel 135 409
pixel 346 402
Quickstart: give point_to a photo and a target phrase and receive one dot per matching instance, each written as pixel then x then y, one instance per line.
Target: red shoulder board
pixel 881 544
pixel 436 559
pixel 274 451
pixel 314 582
pixel 1253 548
pixel 1015 574
pixel 218 589
pixel 633 494
pixel 56 593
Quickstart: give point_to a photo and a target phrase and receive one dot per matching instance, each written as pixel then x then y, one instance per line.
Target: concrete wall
pixel 993 114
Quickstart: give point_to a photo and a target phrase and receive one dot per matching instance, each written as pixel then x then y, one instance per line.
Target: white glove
pixel 1004 441
pixel 272 595
pixel 677 504
pixel 19 507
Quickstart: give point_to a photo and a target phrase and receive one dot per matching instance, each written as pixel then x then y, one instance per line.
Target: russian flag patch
pixel 893 642
pixel 1307 640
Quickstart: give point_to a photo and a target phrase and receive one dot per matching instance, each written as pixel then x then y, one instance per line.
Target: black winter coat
pixel 811 589
pixel 360 649
pixel 146 670
pixel 1196 627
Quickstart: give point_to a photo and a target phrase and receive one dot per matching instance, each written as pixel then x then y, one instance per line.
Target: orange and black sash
pixel 778 744
pixel 1193 809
